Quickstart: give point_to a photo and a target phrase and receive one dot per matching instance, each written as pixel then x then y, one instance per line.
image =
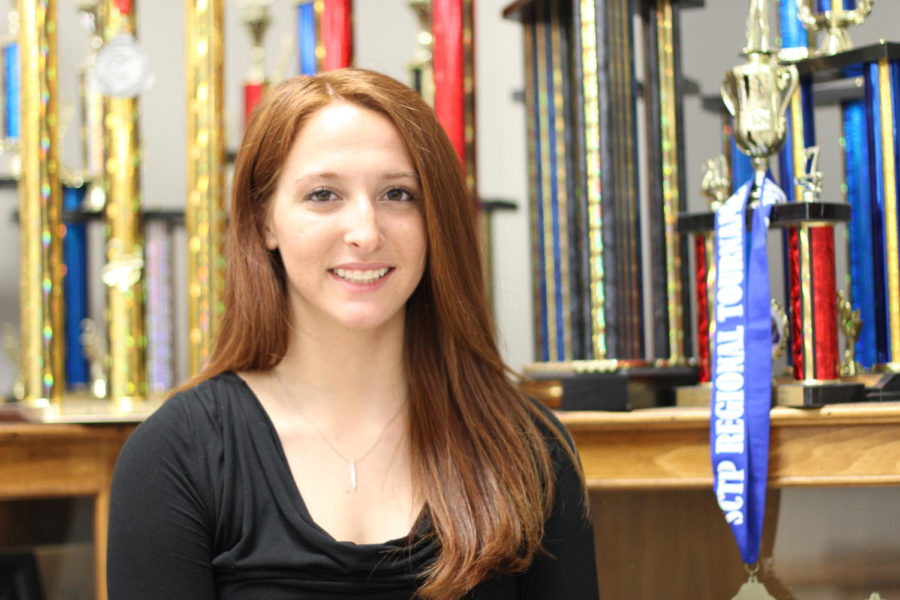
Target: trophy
pixel 834 22
pixel 421 69
pixel 255 16
pixel 850 325
pixel 757 94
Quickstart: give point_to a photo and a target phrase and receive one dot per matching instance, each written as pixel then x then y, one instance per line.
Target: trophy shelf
pixel 668 448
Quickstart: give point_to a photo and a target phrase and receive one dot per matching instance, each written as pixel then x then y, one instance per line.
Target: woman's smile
pixel 362 276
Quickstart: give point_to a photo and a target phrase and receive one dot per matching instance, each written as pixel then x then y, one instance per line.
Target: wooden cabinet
pixel 660 534
pixel 55 461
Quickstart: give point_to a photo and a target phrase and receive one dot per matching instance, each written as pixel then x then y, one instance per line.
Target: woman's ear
pixel 271 240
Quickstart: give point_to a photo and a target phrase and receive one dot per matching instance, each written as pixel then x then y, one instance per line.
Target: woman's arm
pixel 160 540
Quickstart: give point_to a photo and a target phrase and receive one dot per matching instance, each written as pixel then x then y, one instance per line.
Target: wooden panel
pixel 672 545
pixel 856 444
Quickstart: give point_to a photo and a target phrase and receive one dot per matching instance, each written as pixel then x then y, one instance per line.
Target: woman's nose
pixel 362 228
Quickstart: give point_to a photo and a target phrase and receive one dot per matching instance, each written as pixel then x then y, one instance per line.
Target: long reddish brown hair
pixel 480 462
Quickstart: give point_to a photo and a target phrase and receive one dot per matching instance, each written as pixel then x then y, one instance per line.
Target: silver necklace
pixel 351 462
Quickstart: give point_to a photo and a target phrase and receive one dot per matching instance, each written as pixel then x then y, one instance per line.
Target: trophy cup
pixel 757 94
pixel 834 22
pixel 257 19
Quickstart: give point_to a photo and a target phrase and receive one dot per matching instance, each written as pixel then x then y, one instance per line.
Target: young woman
pixel 355 434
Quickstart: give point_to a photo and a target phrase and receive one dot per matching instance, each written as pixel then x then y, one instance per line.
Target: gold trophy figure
pixel 757 94
pixel 851 323
pixel 834 22
pixel 716 183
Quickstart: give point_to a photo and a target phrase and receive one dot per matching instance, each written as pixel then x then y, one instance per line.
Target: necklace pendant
pixel 352 476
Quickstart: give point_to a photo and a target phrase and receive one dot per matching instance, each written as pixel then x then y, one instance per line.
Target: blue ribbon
pixel 742 367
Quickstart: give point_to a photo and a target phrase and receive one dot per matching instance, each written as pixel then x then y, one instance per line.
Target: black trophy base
pixel 817 394
pixel 880 387
pixel 622 389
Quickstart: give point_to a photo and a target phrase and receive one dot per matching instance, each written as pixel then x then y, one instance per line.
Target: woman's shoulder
pixel 198 409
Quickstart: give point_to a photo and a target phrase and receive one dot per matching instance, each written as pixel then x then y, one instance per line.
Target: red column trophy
pixel 814 299
pixel 256 17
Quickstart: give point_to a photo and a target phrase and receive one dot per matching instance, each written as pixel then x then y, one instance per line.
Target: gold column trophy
pixel 122 73
pixel 40 205
pixel 833 22
pixel 205 212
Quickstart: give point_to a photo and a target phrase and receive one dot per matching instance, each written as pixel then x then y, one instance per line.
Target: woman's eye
pixel 320 195
pixel 399 195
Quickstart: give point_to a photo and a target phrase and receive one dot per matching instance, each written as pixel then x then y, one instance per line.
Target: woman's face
pixel 347 219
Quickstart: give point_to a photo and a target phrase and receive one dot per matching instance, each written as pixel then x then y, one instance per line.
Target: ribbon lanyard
pixel 742 367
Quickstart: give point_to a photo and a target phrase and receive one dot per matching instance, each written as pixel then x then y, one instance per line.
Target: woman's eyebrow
pixel 401 175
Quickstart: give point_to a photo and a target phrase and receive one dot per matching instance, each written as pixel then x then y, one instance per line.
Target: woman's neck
pixel 345 371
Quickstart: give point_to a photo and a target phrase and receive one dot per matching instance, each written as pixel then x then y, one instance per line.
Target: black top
pixel 204 506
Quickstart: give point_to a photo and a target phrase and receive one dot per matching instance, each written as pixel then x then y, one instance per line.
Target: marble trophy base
pixel 609 385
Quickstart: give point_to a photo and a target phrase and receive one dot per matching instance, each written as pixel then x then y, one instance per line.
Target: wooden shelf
pixel 668 448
